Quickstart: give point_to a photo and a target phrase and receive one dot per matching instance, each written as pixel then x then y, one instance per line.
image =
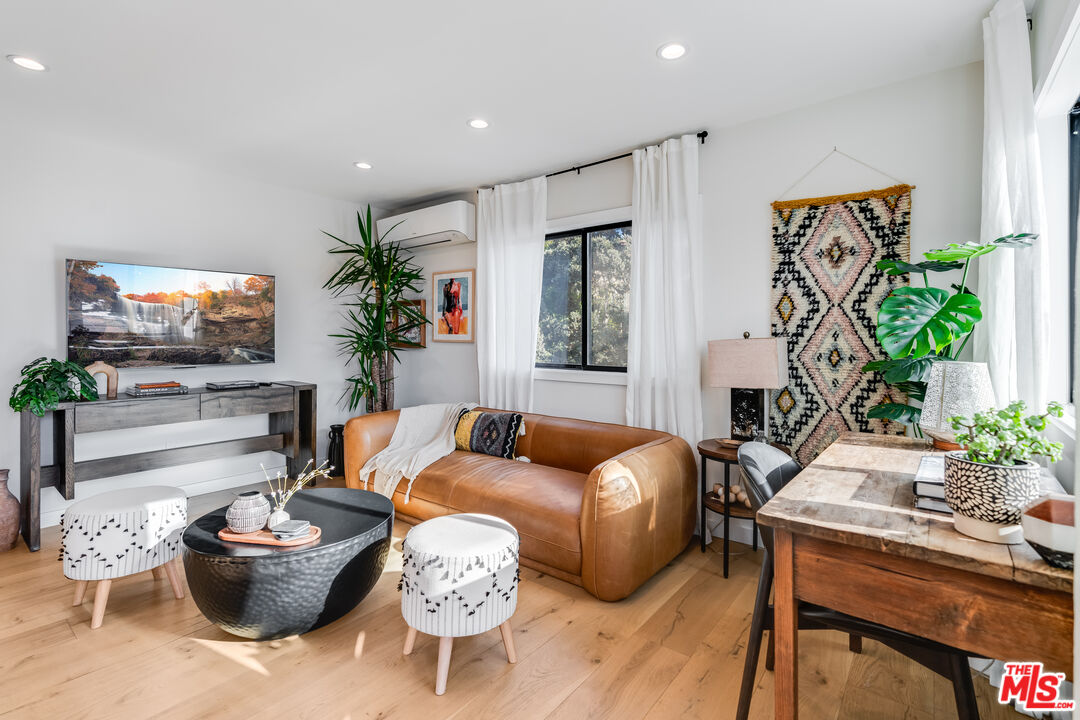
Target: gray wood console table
pixel 291 432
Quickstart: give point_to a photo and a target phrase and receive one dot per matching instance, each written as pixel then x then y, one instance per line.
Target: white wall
pixel 61 197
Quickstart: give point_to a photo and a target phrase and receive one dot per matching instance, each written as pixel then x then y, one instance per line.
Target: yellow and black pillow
pixel 490 433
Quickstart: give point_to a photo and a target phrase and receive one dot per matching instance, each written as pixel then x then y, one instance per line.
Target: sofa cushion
pixel 542 503
pixel 490 433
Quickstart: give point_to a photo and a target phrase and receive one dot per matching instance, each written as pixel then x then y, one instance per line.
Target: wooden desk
pixel 290 405
pixel 847 537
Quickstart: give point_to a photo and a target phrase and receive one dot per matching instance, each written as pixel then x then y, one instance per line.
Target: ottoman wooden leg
pixel 174 579
pixel 156 572
pixel 80 592
pixel 508 641
pixel 410 640
pixel 446 644
pixel 101 597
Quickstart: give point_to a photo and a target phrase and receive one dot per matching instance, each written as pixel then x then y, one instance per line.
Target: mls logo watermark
pixel 1033 689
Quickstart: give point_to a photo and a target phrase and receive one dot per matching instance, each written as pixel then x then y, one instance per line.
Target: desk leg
pixel 30 478
pixel 702 501
pixel 786 628
pixel 727 513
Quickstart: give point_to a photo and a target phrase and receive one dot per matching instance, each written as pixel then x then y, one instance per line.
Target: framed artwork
pixel 453 295
pixel 417 336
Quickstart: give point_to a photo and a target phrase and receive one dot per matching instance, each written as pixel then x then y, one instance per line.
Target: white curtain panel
pixel 510 227
pixel 1014 285
pixel 663 388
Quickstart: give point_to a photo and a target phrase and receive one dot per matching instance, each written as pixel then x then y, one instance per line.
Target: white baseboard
pixel 741 530
pixel 52 517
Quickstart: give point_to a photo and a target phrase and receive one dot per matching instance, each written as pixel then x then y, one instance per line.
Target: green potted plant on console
pixel 47 383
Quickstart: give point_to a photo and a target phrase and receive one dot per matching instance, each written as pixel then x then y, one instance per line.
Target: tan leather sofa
pixel 602 506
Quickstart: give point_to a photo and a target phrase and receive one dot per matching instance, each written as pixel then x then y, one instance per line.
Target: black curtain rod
pixel 578 168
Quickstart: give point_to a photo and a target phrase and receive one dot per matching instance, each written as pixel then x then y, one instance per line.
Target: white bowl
pixel 1048 527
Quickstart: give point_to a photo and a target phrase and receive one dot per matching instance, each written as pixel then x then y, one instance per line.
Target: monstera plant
pixel 918 326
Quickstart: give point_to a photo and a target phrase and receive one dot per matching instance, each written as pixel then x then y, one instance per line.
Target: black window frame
pixel 586 297
pixel 1074 212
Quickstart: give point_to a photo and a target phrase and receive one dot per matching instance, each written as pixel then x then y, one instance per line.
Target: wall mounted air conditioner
pixel 451 223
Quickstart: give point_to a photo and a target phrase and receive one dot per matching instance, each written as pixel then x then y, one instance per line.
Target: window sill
pixel 594 377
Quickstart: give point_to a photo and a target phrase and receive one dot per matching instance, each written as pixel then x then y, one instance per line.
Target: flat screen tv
pixel 143 316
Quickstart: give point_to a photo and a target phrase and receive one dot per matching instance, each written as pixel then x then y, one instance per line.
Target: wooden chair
pixel 767 469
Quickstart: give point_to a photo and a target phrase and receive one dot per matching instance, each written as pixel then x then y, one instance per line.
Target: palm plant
pixel 374 278
pixel 918 326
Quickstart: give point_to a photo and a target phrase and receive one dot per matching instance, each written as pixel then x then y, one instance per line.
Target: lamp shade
pixel 954 388
pixel 748 363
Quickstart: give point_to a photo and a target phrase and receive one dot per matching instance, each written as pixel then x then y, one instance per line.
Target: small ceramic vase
pixel 248 512
pixel 335 450
pixel 9 515
pixel 276 518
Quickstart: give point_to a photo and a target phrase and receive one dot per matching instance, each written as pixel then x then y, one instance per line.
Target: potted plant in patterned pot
pixel 988 483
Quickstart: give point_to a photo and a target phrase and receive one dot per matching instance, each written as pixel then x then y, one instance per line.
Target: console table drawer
pixel 136 413
pixel 256 401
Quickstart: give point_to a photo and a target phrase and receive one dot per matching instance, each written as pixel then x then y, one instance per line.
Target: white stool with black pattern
pixel 459 577
pixel 121 533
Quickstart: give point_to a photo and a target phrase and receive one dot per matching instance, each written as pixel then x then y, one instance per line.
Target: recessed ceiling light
pixel 27 63
pixel 363 165
pixel 671 51
pixel 478 124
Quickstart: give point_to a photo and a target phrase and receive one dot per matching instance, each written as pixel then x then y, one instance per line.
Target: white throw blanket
pixel 424 434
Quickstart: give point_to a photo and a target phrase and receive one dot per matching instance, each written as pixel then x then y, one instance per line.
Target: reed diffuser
pixel 281 489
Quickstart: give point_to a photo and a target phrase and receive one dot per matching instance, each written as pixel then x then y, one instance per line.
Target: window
pixel 585 301
pixel 1074 210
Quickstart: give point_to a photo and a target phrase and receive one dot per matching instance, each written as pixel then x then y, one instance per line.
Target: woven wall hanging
pixel 826 290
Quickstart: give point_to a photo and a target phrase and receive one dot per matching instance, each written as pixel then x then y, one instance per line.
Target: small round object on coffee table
pixel 264 592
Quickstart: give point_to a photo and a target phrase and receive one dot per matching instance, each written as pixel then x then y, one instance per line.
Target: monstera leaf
pixel 954 252
pixel 899 267
pixel 914 322
pixel 905 414
pixel 903 369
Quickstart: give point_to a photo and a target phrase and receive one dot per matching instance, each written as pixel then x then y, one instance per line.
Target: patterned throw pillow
pixel 489 433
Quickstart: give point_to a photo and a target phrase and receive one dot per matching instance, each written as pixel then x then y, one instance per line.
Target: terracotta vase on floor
pixel 9 515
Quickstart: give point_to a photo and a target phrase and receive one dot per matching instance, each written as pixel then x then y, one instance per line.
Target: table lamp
pixel 748 366
pixel 954 388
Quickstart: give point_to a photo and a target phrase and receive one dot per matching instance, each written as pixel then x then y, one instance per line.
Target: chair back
pixel 767 469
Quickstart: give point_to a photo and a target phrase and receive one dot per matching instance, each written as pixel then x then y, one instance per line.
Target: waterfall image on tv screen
pixel 142 316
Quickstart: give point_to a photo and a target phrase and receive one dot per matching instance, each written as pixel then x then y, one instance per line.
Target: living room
pixel 578 213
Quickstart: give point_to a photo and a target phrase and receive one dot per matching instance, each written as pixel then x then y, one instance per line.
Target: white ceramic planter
pixel 987 500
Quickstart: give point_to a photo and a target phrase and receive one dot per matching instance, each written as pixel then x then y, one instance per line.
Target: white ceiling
pixel 294 91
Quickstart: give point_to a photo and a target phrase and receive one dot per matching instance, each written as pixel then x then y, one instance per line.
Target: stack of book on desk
pixel 929 485
pixel 154 389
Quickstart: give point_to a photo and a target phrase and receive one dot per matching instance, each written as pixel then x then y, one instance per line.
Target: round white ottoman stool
pixel 121 533
pixel 459 577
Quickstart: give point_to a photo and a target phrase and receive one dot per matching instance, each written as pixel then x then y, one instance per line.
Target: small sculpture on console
pixel 111 377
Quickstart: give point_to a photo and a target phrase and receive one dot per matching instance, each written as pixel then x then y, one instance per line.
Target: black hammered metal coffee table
pixel 267 593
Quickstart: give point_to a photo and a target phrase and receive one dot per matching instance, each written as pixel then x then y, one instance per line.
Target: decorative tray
pixel 265 537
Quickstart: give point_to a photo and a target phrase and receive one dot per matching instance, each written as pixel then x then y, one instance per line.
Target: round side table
pixel 728 454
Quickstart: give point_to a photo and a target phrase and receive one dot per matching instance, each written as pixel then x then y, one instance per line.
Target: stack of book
pixel 929 485
pixel 154 389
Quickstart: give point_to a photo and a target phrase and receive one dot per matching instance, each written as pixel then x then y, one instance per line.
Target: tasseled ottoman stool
pixel 121 533
pixel 459 577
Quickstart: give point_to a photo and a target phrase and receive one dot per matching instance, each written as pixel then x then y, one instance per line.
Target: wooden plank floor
pixel 674 649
